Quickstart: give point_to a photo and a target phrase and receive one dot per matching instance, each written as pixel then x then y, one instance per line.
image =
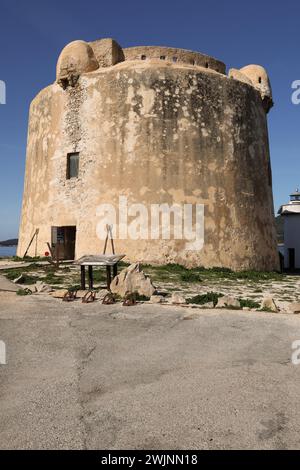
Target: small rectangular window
pixel 174 59
pixel 143 57
pixel 72 165
pixel 162 57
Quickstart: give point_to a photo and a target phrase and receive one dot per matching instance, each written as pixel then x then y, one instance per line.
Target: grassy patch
pixel 268 310
pixel 141 298
pixel 99 275
pixel 12 273
pixel 74 288
pixel 249 303
pixel 27 279
pixel 52 279
pixel 28 259
pixel 23 292
pixel 205 298
pixel 190 276
pixel 177 272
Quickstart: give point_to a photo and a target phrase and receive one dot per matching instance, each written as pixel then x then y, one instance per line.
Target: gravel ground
pixel 146 377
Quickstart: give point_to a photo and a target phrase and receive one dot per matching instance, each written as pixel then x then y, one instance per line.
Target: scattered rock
pixel 108 299
pixel 132 279
pixel 208 305
pixel 59 294
pixel 19 280
pixel 294 308
pixel 190 316
pixel 247 309
pixel 268 303
pixel 177 298
pixel 101 294
pixel 229 302
pixel 157 299
pixel 81 293
pixel 283 306
pixel 40 287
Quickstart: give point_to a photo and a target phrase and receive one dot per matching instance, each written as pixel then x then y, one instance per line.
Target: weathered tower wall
pixel 159 128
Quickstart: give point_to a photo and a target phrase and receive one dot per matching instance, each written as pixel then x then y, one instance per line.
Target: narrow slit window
pixel 206 65
pixel 259 80
pixel 72 165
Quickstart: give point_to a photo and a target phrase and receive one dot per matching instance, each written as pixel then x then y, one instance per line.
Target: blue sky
pixel 32 34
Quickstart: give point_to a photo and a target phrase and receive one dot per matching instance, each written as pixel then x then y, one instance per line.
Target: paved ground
pixel 6 285
pixel 93 376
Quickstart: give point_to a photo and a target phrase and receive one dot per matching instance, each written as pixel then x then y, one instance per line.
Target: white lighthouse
pixel 291 214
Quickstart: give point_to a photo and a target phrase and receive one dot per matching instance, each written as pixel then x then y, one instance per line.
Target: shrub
pixel 23 292
pixel 190 276
pixel 206 298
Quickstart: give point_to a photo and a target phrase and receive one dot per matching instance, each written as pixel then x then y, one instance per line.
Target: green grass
pixel 45 274
pixel 74 288
pixel 27 279
pixel 177 272
pixel 52 279
pixel 99 275
pixel 205 298
pixel 190 276
pixel 16 272
pixel 28 259
pixel 268 310
pixel 249 303
pixel 23 292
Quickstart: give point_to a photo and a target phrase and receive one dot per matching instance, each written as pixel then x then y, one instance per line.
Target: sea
pixel 7 251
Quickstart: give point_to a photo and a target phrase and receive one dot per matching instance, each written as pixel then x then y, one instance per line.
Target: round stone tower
pixel 133 131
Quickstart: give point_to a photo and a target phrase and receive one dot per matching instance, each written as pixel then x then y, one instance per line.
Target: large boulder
pixel 59 294
pixel 177 298
pixel 130 280
pixel 157 299
pixel 294 308
pixel 268 304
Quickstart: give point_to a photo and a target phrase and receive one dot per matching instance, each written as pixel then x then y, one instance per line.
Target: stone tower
pixel 157 126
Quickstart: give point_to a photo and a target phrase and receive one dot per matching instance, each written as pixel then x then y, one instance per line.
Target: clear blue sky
pixel 33 32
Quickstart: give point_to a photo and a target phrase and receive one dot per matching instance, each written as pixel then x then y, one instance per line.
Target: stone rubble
pixel 268 303
pixel 177 298
pixel 228 301
pixel 132 280
pixel 157 299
